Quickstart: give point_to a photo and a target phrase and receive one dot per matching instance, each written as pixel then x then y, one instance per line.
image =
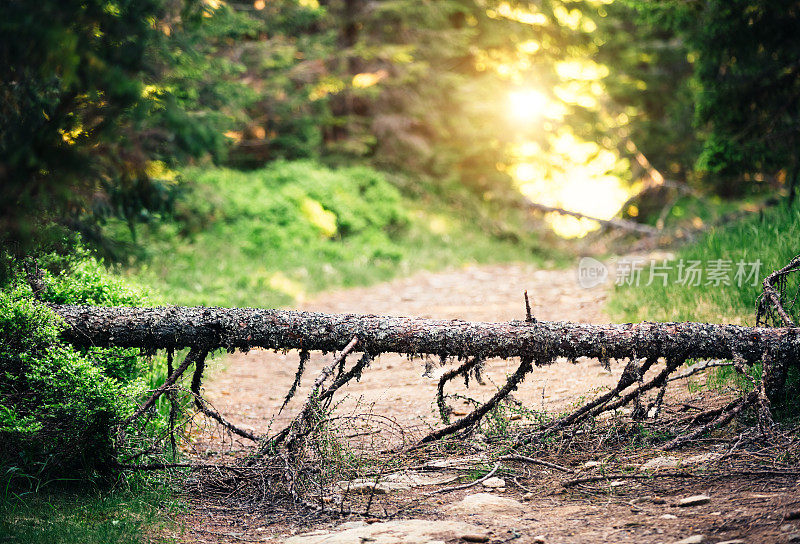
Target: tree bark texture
pixel 178 327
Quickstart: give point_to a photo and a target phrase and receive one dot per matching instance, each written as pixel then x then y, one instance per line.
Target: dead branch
pixel 623 224
pixel 538 343
pixel 463 370
pixel 168 383
pixel 525 366
pixel 771 285
pixel 526 459
pixel 724 417
pixel 624 476
pixel 301 423
pixel 467 485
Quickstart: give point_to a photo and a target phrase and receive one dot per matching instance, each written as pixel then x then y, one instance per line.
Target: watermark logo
pixel 591 273
pixel 638 271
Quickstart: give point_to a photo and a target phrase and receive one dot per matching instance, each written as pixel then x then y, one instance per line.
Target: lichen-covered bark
pixel 233 328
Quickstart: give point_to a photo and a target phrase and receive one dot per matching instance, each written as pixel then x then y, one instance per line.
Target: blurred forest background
pixel 241 153
pixel 161 131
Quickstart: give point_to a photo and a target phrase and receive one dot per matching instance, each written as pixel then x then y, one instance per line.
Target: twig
pixel 536 462
pixel 169 382
pixel 165 466
pixel 599 478
pixel 173 406
pixel 726 474
pixel 528 315
pixel 713 363
pixel 304 357
pixel 525 366
pixel 465 486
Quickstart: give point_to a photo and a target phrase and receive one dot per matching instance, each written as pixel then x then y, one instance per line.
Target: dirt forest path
pixel 249 389
pixel 253 386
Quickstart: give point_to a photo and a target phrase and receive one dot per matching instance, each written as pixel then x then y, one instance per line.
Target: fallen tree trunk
pixel 534 342
pixel 542 341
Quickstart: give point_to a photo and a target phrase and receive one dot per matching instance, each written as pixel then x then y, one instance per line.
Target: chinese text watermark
pixel 639 271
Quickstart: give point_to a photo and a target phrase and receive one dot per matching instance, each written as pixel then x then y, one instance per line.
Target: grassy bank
pixel 132 515
pixel 763 242
pixel 274 236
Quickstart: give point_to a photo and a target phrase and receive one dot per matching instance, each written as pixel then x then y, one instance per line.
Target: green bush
pixel 59 405
pixel 276 235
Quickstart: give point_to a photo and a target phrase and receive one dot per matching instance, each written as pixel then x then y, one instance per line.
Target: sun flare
pixel 527 104
pixel 576 175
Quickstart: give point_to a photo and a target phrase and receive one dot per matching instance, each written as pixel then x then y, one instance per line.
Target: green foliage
pixel 275 235
pixel 769 237
pixel 60 405
pixel 746 85
pixel 650 84
pixel 58 408
pixel 99 100
pixel 750 80
pixel 72 75
pixel 132 515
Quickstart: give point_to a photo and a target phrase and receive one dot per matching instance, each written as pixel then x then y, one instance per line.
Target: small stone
pixel 475 538
pixel 350 525
pixel 694 500
pixel 659 500
pixel 660 463
pixel 787 528
pixel 515 417
pixel 795 537
pixel 494 482
pixel 701 458
pixel 527 496
pixel 735 541
pixel 539 539
pixel 591 464
pixel 694 539
pixel 669 516
pixel 617 483
pixel 411 530
pixel 487 504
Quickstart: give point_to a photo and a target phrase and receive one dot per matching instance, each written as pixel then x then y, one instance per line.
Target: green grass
pixel 773 238
pixel 133 515
pixel 274 236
